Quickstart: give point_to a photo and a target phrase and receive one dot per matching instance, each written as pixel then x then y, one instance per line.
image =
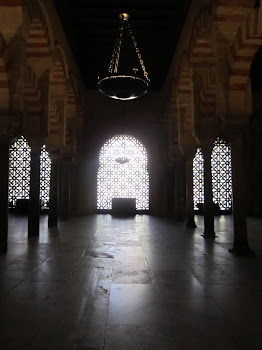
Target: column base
pixel 3 247
pixel 209 235
pixel 191 224
pixel 242 251
pixel 52 223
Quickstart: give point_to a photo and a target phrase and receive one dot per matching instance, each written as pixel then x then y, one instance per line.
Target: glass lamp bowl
pixel 123 87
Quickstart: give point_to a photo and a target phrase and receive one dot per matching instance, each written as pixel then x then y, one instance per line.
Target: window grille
pixel 19 172
pixel 198 178
pixel 45 171
pixel 221 175
pixel 123 172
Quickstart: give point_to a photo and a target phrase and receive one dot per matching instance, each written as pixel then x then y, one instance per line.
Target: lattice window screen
pixel 19 170
pixel 221 175
pixel 45 171
pixel 123 172
pixel 198 178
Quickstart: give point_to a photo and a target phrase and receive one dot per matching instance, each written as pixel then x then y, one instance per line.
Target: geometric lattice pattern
pixel 19 170
pixel 198 178
pixel 221 175
pixel 123 172
pixel 45 172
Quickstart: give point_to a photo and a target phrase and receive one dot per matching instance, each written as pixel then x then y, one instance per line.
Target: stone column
pixel 189 192
pixel 209 231
pixel 34 197
pixel 4 179
pixel 180 190
pixel 53 196
pixel 65 189
pixel 240 246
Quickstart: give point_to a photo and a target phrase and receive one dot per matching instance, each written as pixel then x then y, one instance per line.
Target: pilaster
pixel 209 231
pixel 9 126
pixel 240 245
pixel 54 192
pixel 4 178
pixel 34 197
pixel 189 192
pixel 65 196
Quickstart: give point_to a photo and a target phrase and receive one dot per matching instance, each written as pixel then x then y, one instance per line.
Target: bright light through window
pixel 123 172
pixel 198 178
pixel 221 176
pixel 45 171
pixel 19 172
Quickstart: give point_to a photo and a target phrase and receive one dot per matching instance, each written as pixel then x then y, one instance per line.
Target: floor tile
pixel 135 304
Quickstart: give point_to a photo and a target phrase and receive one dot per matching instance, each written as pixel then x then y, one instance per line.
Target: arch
pixel 200 45
pixel 39 41
pixel 38 46
pixel 71 110
pixel 59 74
pixel 54 127
pixel 32 95
pixel 246 43
pixel 184 93
pixel 123 172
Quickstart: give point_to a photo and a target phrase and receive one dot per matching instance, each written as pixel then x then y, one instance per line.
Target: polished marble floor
pixel 139 283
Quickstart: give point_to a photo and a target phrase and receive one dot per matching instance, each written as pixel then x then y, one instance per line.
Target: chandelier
pixel 129 79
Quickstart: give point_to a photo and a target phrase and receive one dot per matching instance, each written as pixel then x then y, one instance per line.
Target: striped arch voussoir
pixel 247 41
pixel 60 74
pixel 53 119
pixel 200 44
pixel 32 94
pixel 38 42
pixel 71 99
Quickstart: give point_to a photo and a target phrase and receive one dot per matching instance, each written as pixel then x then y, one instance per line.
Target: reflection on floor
pixel 100 282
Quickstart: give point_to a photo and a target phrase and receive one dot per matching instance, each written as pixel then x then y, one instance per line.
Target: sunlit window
pixel 198 178
pixel 19 172
pixel 221 176
pixel 123 172
pixel 45 171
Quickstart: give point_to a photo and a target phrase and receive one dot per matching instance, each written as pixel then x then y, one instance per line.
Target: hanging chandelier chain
pixel 116 53
pixel 138 52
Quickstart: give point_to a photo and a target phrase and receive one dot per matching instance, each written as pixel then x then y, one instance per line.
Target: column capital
pixel 10 124
pixel 55 155
pixel 66 160
pixel 206 146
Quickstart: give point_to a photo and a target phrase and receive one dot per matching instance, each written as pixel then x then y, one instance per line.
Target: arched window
pixel 123 172
pixel 45 172
pixel 198 178
pixel 221 174
pixel 19 172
